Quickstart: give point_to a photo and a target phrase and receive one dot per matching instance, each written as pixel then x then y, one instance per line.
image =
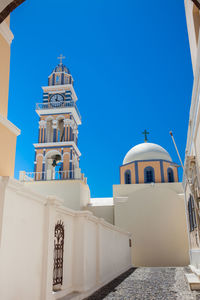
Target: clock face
pixel 57 98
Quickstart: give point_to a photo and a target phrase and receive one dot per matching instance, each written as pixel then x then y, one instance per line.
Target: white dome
pixel 146 151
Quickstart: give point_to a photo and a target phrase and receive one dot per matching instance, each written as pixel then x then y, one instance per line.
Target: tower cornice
pixel 59 110
pixel 58 145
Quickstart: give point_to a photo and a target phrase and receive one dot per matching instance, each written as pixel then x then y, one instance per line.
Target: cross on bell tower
pixel 145 132
pixel 61 57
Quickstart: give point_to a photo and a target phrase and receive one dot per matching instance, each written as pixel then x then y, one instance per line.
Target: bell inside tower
pixel 53 165
pixel 60 137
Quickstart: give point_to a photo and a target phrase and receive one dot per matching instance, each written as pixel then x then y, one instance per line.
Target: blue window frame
pixel 127 177
pixel 170 175
pixel 149 175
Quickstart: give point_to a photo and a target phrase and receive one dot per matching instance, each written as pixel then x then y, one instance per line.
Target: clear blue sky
pixel 132 69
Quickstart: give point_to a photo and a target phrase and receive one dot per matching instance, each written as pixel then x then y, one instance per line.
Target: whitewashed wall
pixel 75 193
pixel 155 215
pixel 191 178
pixel 95 251
pixel 21 244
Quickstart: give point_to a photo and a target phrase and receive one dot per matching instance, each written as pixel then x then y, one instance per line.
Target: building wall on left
pixel 8 132
pixel 5 67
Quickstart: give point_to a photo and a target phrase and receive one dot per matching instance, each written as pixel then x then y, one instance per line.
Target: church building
pixel 149 203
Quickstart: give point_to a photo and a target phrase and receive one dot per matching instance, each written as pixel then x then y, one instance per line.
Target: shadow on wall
pixel 111 286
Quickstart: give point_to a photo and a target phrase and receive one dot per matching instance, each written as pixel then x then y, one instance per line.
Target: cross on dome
pixel 145 132
pixel 61 57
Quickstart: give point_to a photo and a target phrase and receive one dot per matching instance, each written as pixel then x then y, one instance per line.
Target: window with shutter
pixel 190 215
pixel 193 212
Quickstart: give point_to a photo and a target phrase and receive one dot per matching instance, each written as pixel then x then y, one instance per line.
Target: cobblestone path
pixel 148 284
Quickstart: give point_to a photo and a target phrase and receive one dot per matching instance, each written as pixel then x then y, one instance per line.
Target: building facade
pixel 191 180
pixel 8 131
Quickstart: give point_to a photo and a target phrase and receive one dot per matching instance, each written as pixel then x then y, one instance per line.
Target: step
pixel 193 281
pixel 195 270
pixel 71 296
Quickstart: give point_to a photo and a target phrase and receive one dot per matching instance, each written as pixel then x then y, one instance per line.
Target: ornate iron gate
pixel 58 255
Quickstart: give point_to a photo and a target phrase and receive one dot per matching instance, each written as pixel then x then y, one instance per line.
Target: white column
pixel 55 126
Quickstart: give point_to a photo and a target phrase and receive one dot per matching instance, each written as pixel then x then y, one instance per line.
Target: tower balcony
pixel 52 175
pixel 46 108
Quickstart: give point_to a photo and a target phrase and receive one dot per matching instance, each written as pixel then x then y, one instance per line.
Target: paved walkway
pixel 148 284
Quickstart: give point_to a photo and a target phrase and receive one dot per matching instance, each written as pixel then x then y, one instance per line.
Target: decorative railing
pixel 53 105
pixel 52 175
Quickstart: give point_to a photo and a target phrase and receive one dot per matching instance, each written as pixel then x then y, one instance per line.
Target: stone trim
pixel 10 125
pixel 6 32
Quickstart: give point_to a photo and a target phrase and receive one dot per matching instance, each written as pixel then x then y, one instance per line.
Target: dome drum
pixel 147 163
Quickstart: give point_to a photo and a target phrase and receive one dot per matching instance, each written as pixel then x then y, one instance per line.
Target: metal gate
pixel 58 255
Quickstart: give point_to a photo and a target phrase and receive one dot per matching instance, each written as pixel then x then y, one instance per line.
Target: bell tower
pixel 56 152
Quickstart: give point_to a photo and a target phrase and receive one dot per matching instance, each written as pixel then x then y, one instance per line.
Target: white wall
pixel 21 244
pixel 114 254
pixel 75 193
pixel 106 212
pixel 192 158
pixel 27 246
pixel 101 252
pixel 155 216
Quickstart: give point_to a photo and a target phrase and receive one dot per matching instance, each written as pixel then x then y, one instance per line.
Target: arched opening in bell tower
pixel 60 131
pixel 53 166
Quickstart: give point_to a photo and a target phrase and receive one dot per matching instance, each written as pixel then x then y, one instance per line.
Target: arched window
pixel 149 175
pixel 58 256
pixel 127 177
pixel 57 79
pixel 170 175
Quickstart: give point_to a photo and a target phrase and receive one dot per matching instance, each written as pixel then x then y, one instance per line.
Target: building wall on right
pixel 191 180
